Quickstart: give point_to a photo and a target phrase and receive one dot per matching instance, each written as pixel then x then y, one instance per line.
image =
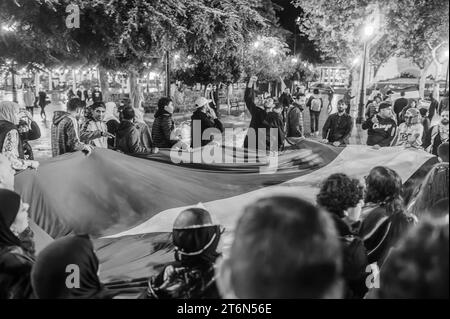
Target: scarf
pixel 9 112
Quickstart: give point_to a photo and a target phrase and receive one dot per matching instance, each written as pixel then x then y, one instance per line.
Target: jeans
pixel 314 121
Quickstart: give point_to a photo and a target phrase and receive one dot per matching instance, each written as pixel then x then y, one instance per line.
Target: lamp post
pixel 167 73
pixel 368 32
pixel 446 54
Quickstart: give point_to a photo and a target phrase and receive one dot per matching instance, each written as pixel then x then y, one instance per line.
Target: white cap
pixel 199 102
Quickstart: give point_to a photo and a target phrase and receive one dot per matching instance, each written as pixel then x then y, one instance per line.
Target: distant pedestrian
pixel 294 123
pixel 315 105
pixel 29 98
pixel 42 104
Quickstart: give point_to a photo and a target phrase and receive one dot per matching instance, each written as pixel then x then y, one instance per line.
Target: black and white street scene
pixel 224 149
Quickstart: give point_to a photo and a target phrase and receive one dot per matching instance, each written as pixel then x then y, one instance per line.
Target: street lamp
pixel 256 44
pixel 368 32
pixel 446 53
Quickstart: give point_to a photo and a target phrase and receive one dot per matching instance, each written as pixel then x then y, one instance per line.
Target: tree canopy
pixel 408 28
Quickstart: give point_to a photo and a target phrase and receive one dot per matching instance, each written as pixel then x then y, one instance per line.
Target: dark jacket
pixel 434 107
pixel 113 126
pixel 5 128
pixel 380 134
pixel 426 123
pixel 128 139
pixel 162 129
pixel 381 231
pixel 257 121
pixel 65 134
pixel 354 260
pixel 32 134
pixel 206 122
pixel 275 120
pixel 432 138
pixel 399 105
pixel 42 99
pixel 443 105
pixel 294 124
pixel 15 269
pixel 338 128
pixel 285 99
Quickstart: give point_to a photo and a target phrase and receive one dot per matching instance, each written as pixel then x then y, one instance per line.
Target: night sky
pixel 305 48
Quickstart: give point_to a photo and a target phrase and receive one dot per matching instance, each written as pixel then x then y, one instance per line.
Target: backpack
pixel 316 104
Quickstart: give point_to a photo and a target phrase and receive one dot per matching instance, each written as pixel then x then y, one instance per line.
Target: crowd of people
pixel 359 240
pixel 353 242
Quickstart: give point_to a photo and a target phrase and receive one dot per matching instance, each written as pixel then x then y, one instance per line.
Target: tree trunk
pixel 103 79
pixel 423 79
pixel 135 89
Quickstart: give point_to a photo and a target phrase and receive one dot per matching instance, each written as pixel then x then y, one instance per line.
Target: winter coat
pixel 162 128
pixel 294 124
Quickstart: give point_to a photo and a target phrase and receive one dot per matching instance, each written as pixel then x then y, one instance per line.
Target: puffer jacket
pixel 65 134
pixel 162 129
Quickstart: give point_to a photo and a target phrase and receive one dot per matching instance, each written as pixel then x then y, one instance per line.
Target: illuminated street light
pixel 369 30
pixel 294 60
pixel 356 60
pixel 7 28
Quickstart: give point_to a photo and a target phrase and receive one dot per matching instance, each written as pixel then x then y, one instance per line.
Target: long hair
pixel 384 187
pixel 434 188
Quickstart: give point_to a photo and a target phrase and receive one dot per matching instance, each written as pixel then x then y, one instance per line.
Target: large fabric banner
pixel 128 204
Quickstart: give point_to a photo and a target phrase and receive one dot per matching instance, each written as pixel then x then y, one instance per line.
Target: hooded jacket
pixel 65 134
pixel 162 128
pixel 128 138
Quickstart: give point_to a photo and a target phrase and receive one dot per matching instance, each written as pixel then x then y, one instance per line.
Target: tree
pixel 408 28
pixel 419 28
pixel 122 35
